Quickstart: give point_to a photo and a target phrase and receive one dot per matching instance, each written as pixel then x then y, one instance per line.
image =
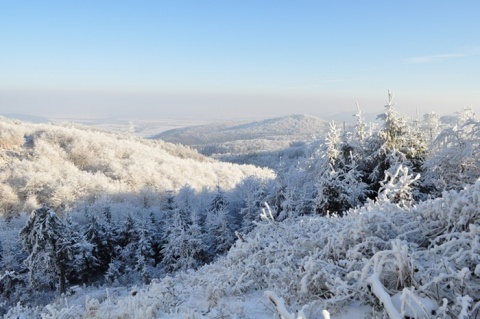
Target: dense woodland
pixel 390 206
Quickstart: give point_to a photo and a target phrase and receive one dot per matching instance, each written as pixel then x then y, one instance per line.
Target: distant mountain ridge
pixel 290 127
pixel 261 143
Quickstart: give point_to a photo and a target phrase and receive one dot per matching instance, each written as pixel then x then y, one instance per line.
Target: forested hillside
pixel 375 221
pixel 62 165
pixel 262 143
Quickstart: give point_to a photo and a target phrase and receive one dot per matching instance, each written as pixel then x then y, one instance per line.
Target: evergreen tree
pixel 393 145
pixel 174 248
pixel 46 239
pixel 145 253
pixel 196 242
pixel 361 128
pixel 219 200
pixel 220 235
pixel 83 267
pixel 252 192
pixel 218 224
pixel 185 202
pixel 98 236
pixel 340 184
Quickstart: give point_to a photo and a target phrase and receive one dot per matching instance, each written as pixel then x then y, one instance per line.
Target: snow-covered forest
pixel 373 220
pixel 261 143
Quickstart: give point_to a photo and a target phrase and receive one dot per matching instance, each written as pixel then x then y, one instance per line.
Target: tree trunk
pixel 61 286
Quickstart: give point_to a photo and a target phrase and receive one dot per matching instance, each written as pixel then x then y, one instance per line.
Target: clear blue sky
pixel 236 58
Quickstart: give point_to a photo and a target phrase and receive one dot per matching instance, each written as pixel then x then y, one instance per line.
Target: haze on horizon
pixel 245 59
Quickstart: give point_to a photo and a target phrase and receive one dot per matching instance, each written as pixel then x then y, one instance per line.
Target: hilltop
pixel 260 143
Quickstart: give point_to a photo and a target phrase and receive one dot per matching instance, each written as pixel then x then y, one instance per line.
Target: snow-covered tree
pixel 454 159
pixel 220 234
pixel 396 143
pixel 83 266
pixel 46 239
pixel 431 126
pixel 219 225
pixel 174 249
pixel 98 235
pixel 145 251
pixel 361 128
pixel 340 184
pixel 250 192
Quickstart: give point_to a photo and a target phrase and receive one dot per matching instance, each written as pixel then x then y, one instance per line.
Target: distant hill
pixel 61 165
pixel 282 128
pixel 27 117
pixel 249 142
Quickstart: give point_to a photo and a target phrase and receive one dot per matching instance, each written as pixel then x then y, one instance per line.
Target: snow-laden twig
pixel 279 305
pixel 379 291
pixel 264 214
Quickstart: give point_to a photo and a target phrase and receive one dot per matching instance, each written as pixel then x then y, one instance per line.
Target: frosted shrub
pixel 10 136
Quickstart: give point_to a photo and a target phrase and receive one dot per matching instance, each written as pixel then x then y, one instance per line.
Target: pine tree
pixel 185 201
pixel 361 129
pixel 83 267
pixel 395 144
pixel 339 179
pixel 173 250
pixel 252 192
pixel 97 235
pixel 219 225
pixel 220 234
pixel 46 239
pixel 197 246
pixel 145 252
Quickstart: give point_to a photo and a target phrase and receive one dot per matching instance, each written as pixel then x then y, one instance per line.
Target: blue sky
pixel 236 58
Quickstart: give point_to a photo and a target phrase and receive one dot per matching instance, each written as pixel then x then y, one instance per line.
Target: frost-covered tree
pixel 122 256
pixel 145 252
pixel 8 201
pixel 174 249
pixel 46 239
pixel 197 241
pixel 395 144
pixel 99 236
pixel 454 159
pixel 352 185
pixel 340 183
pixel 250 192
pixel 220 234
pixel 361 128
pixel 83 267
pixel 219 200
pixel 13 280
pixel 185 201
pixel 219 225
pixel 431 126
